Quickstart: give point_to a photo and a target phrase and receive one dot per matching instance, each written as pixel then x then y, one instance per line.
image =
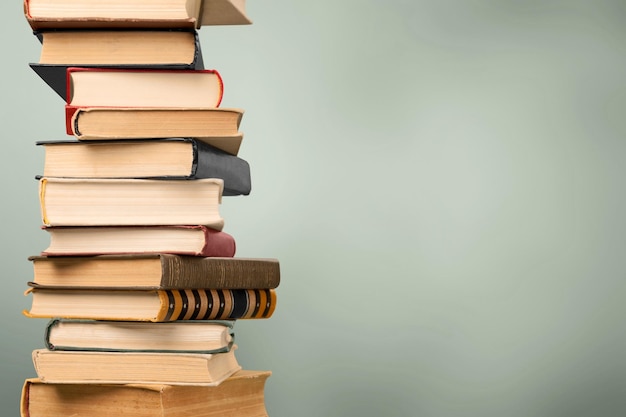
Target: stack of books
pixel 140 283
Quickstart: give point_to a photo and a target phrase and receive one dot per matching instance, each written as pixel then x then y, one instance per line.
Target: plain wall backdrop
pixel 442 182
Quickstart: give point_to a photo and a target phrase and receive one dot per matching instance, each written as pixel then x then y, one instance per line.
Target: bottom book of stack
pixel 241 395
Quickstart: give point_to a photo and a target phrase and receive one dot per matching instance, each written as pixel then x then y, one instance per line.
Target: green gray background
pixel 442 182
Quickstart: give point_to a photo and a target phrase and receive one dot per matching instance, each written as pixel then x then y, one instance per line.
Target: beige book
pixel 130 202
pixel 242 394
pixel 92 367
pixel 118 47
pixel 44 14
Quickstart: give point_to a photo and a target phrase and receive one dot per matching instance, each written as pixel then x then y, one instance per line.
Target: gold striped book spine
pixel 217 304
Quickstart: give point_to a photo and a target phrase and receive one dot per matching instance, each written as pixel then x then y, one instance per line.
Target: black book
pixel 172 158
pixel 115 48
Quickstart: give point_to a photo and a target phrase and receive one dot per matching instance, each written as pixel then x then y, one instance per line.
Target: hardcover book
pixel 100 240
pixel 133 87
pixel 42 14
pixel 241 394
pixel 154 271
pixel 147 49
pixel 218 127
pixel 151 305
pixel 130 202
pixel 172 368
pixel 172 158
pixel 196 336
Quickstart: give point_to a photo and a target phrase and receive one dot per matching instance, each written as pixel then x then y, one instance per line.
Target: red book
pixel 179 240
pixel 141 88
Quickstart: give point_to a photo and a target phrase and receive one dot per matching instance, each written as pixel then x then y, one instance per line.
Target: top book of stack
pixel 64 14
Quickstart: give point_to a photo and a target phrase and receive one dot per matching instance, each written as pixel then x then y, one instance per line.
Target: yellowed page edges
pixel 42 192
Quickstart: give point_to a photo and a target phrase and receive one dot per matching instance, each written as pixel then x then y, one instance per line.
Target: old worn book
pixel 175 368
pixel 171 158
pixel 195 336
pixel 218 127
pixel 121 48
pixel 130 202
pixel 154 271
pixel 242 395
pixel 42 14
pixel 147 87
pixel 151 305
pixel 99 240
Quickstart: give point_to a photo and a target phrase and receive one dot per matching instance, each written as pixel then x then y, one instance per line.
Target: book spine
pixel 46 337
pixel 217 243
pixel 217 304
pixel 42 201
pixel 70 111
pixel 25 398
pixel 211 162
pixel 218 272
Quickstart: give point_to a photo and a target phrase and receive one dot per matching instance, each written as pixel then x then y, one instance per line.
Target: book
pixel 151 305
pixel 122 48
pixel 119 336
pixel 142 87
pixel 97 240
pixel 154 271
pixel 171 158
pixel 242 395
pixel 172 368
pixel 42 14
pixel 219 127
pixel 130 202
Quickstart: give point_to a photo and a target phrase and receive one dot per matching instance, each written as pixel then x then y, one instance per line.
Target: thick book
pixel 172 158
pixel 172 368
pixel 242 395
pixel 154 271
pixel 100 240
pixel 151 305
pixel 197 336
pixel 219 127
pixel 156 49
pixel 42 14
pixel 130 202
pixel 141 88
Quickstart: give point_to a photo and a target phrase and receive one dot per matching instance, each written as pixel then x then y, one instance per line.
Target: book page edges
pixel 42 194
